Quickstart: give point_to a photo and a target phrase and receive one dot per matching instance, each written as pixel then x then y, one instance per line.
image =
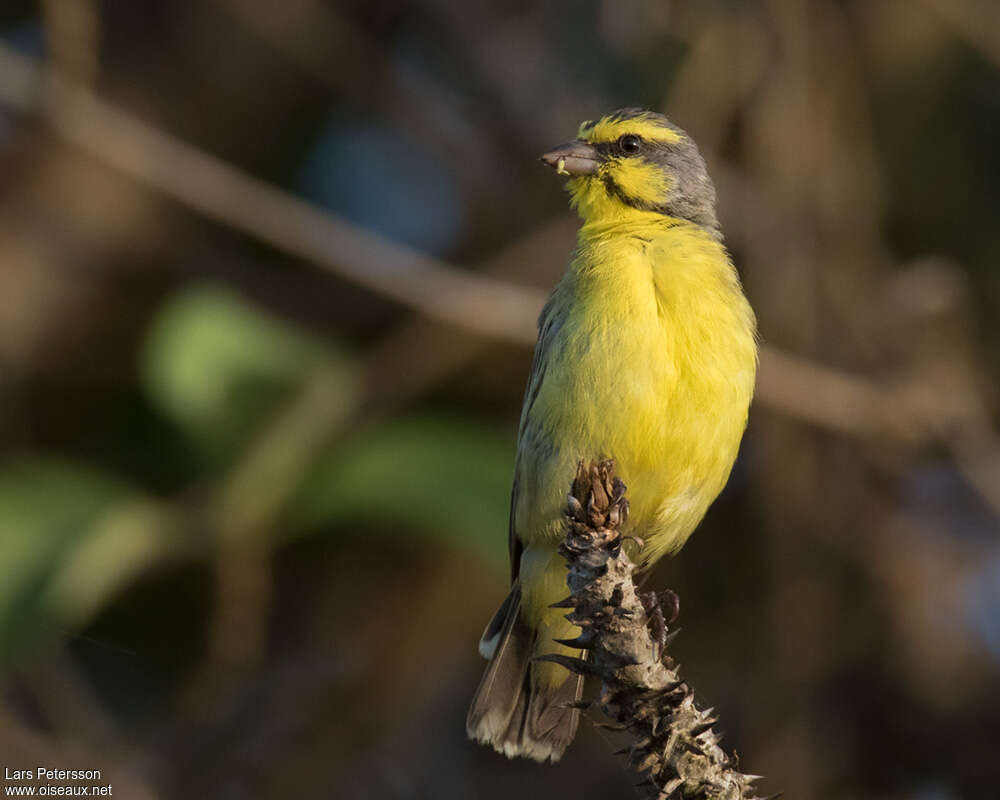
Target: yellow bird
pixel 646 354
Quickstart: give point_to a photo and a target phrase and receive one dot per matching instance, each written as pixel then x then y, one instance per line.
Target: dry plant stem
pixel 674 748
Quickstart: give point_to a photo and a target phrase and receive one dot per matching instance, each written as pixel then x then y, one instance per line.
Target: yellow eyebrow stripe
pixel 607 130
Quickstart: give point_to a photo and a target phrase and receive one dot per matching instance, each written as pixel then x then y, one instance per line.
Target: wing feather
pixel 549 323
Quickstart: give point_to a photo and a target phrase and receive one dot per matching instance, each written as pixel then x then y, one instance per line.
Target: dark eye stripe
pixel 615 190
pixel 604 149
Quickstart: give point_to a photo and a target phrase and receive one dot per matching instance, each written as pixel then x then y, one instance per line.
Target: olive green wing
pixel 549 323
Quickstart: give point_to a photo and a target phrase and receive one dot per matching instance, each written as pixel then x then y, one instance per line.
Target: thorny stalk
pixel 674 747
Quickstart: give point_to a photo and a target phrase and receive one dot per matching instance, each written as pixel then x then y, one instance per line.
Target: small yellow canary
pixel 646 354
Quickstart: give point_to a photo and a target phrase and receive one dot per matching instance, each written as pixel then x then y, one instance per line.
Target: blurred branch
pixel 328 45
pixel 209 185
pixel 243 510
pixel 479 304
pixel 72 30
pixel 973 20
pixel 820 395
pixel 674 745
pixel 432 350
pixel 202 182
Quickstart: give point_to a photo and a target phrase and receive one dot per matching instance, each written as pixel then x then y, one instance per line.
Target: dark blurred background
pixel 257 450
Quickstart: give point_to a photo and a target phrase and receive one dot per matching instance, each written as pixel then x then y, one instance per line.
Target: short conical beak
pixel 573 158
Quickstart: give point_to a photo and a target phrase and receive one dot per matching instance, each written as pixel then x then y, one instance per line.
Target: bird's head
pixel 635 161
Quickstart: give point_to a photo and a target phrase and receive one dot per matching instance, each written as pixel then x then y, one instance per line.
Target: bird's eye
pixel 630 144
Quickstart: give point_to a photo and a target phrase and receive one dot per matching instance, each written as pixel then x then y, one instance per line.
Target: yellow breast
pixel 650 359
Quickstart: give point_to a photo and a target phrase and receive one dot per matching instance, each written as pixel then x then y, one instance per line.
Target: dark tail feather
pixel 510 710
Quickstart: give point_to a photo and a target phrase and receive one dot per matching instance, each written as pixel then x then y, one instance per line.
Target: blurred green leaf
pixel 69 538
pixel 45 508
pixel 217 366
pixel 446 477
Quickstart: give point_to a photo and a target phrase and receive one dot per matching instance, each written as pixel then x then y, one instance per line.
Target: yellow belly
pixel 653 364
